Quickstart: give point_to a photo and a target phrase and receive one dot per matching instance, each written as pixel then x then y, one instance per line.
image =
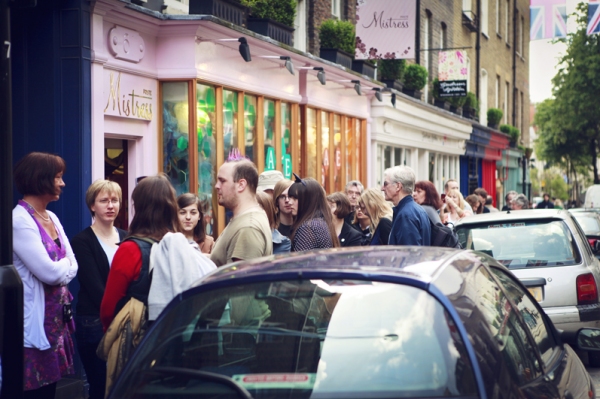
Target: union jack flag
pixel 548 19
pixel 593 17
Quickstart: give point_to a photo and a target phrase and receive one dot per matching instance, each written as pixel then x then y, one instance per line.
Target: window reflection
pixel 250 126
pixel 325 161
pixel 176 134
pixel 311 143
pixel 230 121
pixel 207 157
pixel 269 134
pixel 286 140
pixel 337 153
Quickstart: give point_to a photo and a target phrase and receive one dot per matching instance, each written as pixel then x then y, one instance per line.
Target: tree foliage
pixel 569 124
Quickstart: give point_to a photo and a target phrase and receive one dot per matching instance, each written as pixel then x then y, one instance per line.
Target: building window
pixel 506 91
pixel 176 135
pixel 483 97
pixel 468 74
pixel 498 2
pixel 389 156
pixel 497 94
pixel 507 21
pixel 522 124
pixel 428 35
pixel 484 17
pixel 443 36
pixel 336 8
pixel 466 6
pixel 300 26
pixel 521 36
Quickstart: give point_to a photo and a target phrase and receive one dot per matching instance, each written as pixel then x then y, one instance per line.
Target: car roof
pixel 507 216
pixel 419 263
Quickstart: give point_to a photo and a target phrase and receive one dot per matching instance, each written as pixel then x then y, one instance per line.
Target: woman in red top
pixel 156 213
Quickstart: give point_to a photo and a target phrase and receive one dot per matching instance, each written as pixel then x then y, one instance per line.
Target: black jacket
pixel 350 237
pixel 93 271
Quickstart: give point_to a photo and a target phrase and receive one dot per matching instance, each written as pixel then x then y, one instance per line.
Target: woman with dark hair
pixel 340 208
pixel 43 257
pixel 313 227
pixel 193 223
pixel 475 201
pixel 426 195
pixel 156 213
pixel 283 207
pixel 281 244
pixel 94 248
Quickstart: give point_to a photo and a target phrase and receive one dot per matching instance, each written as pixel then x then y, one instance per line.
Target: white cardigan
pixel 35 267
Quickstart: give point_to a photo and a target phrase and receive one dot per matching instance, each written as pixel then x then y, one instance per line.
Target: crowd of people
pixel 123 275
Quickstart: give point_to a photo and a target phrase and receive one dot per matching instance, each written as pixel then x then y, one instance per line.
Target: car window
pixel 587 246
pixel 523 244
pixel 589 223
pixel 505 327
pixel 532 316
pixel 350 339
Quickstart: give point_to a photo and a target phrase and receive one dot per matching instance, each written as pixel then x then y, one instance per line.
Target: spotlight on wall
pixel 320 74
pixel 288 61
pixel 357 86
pixel 378 93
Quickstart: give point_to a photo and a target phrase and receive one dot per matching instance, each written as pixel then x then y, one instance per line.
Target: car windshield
pixel 522 243
pixel 304 339
pixel 589 223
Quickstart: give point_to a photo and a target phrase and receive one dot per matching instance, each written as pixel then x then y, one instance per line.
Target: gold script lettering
pixel 129 107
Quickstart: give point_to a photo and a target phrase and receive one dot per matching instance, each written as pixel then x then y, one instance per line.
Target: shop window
pixel 431 167
pixel 269 134
pixel 230 121
pixel 397 156
pixel 207 156
pixel 407 160
pixel 325 158
pixel 387 157
pixel 349 145
pixel 337 153
pixel 311 142
pixel 357 146
pixel 286 140
pixel 175 138
pixel 250 127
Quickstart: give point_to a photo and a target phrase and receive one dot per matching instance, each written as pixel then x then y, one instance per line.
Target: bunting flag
pixel 593 25
pixel 548 19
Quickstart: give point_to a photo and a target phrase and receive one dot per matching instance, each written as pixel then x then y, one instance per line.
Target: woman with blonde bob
pixel 94 249
pixel 454 209
pixel 373 204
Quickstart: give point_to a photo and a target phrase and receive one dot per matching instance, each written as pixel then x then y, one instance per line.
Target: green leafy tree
pixel 570 128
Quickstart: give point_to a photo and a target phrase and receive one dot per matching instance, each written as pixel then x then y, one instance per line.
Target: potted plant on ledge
pixel 513 134
pixel 415 78
pixel 337 42
pixel 471 106
pixel 272 18
pixel 494 116
pixel 456 104
pixel 390 72
pixel 438 101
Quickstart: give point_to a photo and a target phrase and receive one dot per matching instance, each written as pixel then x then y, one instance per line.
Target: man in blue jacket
pixel 411 223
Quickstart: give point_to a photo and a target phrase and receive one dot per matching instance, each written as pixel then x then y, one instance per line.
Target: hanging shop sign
pixel 385 29
pixel 452 73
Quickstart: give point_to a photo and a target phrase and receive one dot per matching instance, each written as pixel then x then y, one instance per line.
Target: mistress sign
pixel 385 29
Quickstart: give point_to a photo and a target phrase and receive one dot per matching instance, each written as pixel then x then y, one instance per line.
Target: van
pixel 592 197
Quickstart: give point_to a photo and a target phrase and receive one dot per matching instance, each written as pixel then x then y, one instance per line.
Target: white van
pixel 592 197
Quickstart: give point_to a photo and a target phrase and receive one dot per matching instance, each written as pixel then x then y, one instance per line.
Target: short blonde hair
pixel 376 205
pixel 99 186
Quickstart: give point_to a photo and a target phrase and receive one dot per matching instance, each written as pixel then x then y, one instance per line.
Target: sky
pixel 543 60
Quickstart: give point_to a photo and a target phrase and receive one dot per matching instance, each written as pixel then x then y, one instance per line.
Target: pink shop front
pixel 177 96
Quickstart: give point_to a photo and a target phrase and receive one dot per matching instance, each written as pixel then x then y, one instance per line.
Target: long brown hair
pixel 187 199
pixel 156 210
pixel 312 204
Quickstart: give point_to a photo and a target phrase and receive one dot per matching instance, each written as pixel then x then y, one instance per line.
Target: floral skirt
pixel 43 367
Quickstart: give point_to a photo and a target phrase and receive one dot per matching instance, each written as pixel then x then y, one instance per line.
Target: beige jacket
pixel 122 337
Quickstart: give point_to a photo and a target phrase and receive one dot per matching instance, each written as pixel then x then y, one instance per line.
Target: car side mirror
pixel 588 339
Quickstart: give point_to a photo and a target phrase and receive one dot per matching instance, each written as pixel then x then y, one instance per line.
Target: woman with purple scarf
pixel 44 259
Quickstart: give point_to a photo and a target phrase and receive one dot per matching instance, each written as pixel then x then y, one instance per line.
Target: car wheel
pixel 594 359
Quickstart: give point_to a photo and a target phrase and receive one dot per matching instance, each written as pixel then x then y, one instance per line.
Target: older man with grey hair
pixel 411 225
pixel 520 202
pixel 354 189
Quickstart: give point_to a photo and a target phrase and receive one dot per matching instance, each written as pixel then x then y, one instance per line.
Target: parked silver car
pixel 549 252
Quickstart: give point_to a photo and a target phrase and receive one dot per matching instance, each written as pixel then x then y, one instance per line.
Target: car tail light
pixel 587 291
pixel 592 241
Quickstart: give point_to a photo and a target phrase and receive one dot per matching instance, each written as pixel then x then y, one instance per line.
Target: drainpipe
pixel 11 287
pixel 418 34
pixel 477 52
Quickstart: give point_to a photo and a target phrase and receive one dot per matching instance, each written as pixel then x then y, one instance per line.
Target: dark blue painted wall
pixel 52 95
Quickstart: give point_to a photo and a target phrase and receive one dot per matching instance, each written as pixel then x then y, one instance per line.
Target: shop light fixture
pixel 288 61
pixel 244 47
pixel 378 93
pixel 394 100
pixel 356 86
pixel 320 74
